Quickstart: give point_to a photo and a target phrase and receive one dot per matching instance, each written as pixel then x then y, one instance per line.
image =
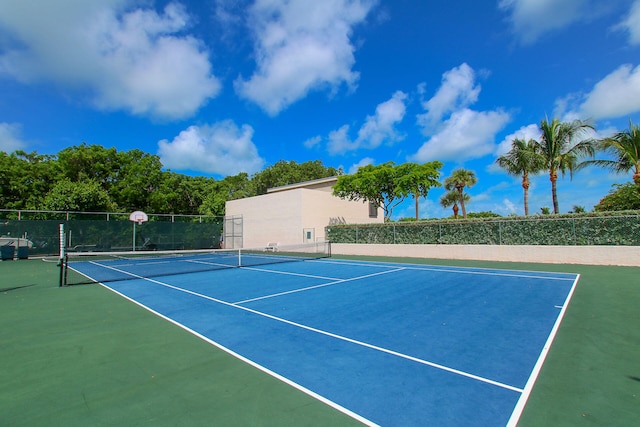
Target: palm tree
pixel 624 147
pixel 459 179
pixel 524 158
pixel 561 151
pixel 451 199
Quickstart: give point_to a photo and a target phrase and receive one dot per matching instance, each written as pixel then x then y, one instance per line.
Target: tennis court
pixel 388 344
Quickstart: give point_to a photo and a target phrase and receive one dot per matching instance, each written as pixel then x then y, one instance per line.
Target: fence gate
pixel 233 232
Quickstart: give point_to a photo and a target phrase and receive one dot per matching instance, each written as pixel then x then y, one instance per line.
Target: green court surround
pixel 83 355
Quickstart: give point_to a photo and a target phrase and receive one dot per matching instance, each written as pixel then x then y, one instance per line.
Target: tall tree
pixel 180 194
pixel 25 179
pixel 523 159
pixel 624 147
pixel 230 188
pixel 139 176
pixel 387 185
pixel 417 179
pixel 620 198
pixel 458 181
pixel 285 173
pixel 93 162
pixel 562 146
pixel 87 196
pixel 451 198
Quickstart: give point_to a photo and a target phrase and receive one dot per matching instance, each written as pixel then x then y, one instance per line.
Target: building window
pixel 373 210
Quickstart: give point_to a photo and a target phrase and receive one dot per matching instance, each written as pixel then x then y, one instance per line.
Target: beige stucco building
pixel 294 214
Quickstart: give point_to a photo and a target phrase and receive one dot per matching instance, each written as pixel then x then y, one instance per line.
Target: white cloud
pixel 530 19
pixel 136 60
pixel 227 13
pixel 467 134
pixel 339 141
pixel 312 142
pixel 617 95
pixel 301 46
pixel 632 23
pixel 10 137
pixel 364 162
pixel 508 208
pixel 455 131
pixel 221 149
pixel 528 132
pixel 458 90
pixel 377 129
pixel 381 126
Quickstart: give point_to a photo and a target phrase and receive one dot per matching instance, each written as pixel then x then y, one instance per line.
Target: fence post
pixel 500 233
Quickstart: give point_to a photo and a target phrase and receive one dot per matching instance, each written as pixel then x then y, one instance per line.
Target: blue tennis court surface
pixel 389 344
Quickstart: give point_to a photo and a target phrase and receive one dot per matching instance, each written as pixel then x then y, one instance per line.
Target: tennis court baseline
pixel 389 344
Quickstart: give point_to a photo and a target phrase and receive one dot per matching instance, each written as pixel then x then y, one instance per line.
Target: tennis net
pixel 100 267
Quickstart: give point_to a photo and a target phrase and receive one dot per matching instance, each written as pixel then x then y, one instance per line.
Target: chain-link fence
pixel 38 230
pixel 233 231
pixel 620 229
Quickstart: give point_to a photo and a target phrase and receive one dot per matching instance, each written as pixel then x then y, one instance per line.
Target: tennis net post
pixel 61 261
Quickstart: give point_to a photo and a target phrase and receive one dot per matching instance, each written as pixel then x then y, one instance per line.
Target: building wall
pixel 283 216
pixel 321 209
pixel 594 255
pixel 322 184
pixel 269 218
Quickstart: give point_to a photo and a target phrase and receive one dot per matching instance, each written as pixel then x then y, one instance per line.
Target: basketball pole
pixel 139 217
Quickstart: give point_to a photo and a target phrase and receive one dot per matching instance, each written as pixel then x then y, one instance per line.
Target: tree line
pixel 563 148
pixel 92 178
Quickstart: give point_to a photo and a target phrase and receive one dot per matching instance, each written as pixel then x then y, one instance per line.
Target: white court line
pixel 114 267
pixel 250 362
pixel 217 264
pixel 289 273
pixel 337 281
pixel 462 270
pixel 522 401
pixel 332 335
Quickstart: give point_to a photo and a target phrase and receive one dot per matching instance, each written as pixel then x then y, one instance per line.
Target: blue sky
pixel 218 87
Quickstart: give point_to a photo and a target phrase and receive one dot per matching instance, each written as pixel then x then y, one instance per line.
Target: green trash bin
pixel 6 252
pixel 23 252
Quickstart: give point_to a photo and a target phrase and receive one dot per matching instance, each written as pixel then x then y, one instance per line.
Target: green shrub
pixel 605 228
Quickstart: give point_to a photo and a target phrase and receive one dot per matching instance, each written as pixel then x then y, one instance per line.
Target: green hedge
pixel 606 228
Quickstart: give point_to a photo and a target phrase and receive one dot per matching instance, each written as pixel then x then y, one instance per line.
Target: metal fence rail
pixel 541 230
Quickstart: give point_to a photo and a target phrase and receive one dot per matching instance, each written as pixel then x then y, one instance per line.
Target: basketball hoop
pixel 137 217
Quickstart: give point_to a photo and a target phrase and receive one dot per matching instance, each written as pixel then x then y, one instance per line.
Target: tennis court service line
pixel 335 282
pixel 250 362
pixel 156 263
pixel 528 388
pixel 289 273
pixel 332 335
pixel 466 271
